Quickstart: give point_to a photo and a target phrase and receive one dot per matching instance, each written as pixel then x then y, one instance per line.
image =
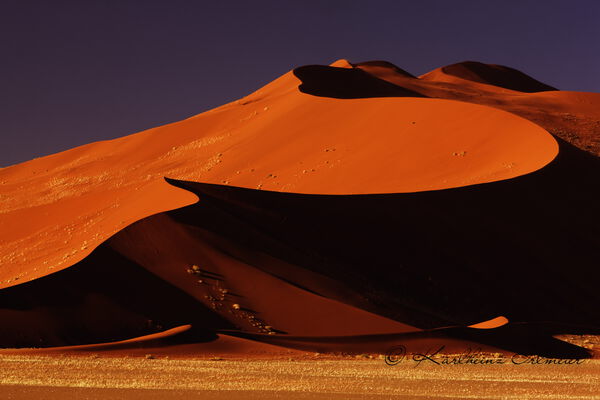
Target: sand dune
pixel 571 116
pixel 489 74
pixel 339 208
pixel 277 139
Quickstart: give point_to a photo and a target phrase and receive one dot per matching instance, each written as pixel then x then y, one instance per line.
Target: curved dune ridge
pixel 342 208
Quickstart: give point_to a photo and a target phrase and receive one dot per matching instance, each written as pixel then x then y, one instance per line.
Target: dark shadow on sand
pixel 346 83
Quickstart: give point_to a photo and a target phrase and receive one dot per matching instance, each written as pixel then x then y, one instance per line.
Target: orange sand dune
pixel 336 202
pixel 276 139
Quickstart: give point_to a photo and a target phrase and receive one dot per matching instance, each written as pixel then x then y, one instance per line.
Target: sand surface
pixel 136 378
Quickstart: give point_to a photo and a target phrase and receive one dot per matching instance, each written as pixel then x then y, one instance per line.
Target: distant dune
pixel 489 74
pixel 342 208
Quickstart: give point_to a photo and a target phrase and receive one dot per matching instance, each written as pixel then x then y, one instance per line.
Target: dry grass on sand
pixel 94 377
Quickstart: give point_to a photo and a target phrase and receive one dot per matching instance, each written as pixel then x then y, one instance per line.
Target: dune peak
pixel 341 63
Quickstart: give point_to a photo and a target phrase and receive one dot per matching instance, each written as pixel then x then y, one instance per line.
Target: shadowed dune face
pixel 383 67
pixel 337 201
pixel 104 298
pixel 252 289
pixel 346 83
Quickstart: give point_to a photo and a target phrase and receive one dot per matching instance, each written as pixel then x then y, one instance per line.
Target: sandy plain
pixel 94 377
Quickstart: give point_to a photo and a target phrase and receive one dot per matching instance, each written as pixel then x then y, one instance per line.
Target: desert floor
pixel 93 377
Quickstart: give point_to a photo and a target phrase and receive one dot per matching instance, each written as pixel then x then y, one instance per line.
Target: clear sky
pixel 77 71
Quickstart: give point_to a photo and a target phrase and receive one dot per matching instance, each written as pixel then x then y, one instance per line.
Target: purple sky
pixel 77 71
